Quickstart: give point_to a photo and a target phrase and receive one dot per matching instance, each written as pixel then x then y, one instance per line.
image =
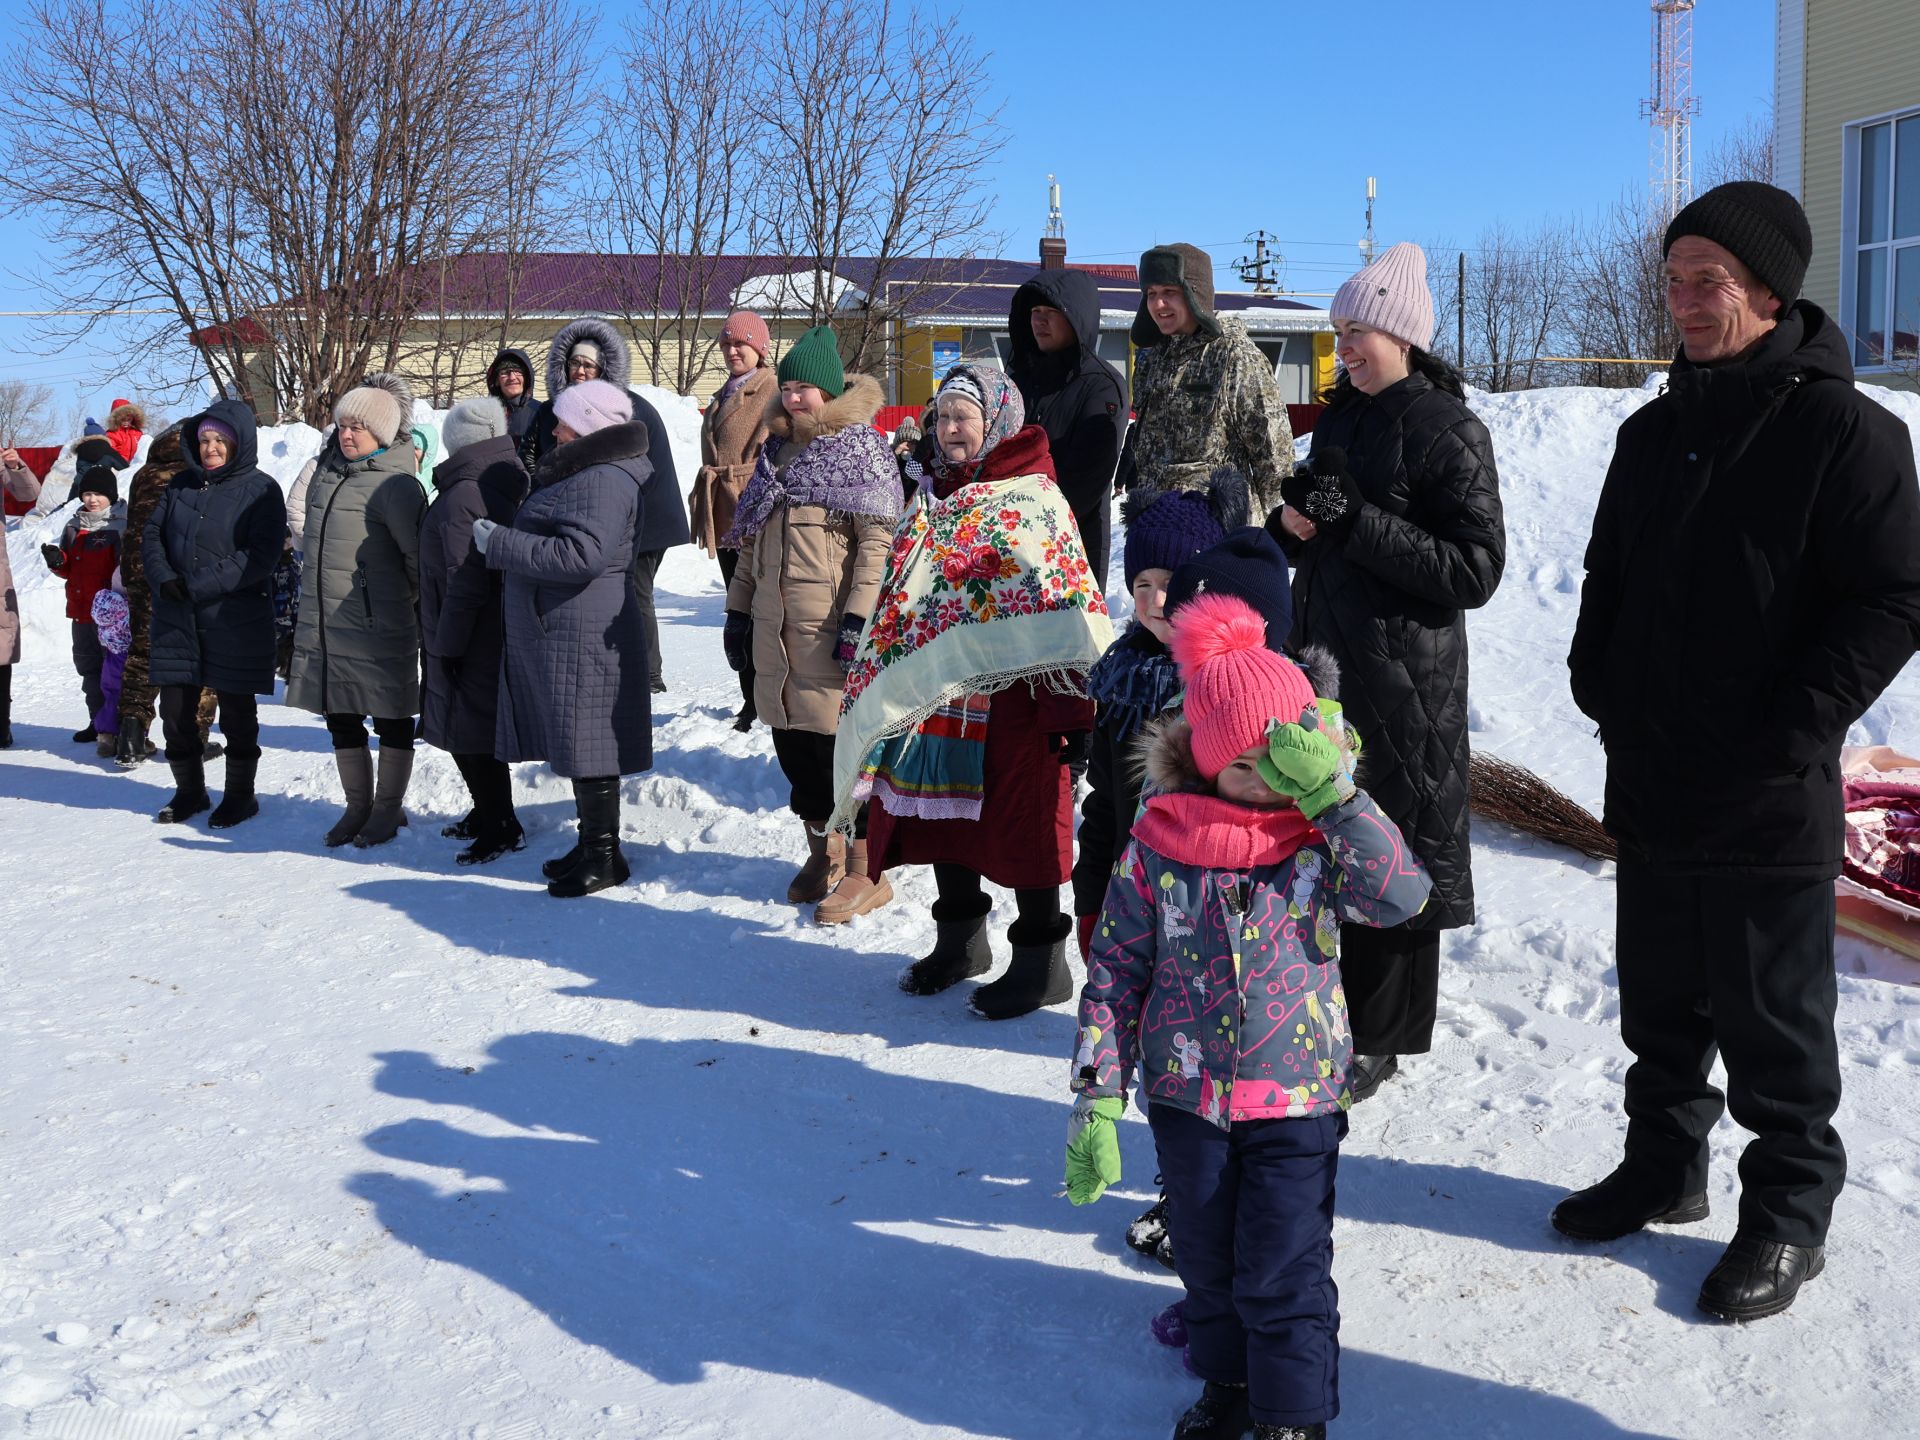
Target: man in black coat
pixel 1753 584
pixel 1078 398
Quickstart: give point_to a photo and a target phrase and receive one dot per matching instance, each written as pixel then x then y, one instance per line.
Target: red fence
pixel 39 460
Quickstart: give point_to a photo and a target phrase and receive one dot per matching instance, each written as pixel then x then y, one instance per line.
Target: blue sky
pixel 1204 121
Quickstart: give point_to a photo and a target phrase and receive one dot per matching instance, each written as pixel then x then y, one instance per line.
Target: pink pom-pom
pixel 1211 625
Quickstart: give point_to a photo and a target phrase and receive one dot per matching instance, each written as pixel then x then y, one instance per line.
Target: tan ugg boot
pixel 855 894
pixel 826 863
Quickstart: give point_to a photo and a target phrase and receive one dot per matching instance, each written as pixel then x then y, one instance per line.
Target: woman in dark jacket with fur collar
pixel 1397 531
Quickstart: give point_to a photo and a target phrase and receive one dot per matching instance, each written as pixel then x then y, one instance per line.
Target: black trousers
pixel 961 896
pixel 645 566
pixel 1743 966
pixel 806 759
pixel 180 723
pixel 349 732
pixel 1392 980
pixel 87 660
pixel 490 783
pixel 729 562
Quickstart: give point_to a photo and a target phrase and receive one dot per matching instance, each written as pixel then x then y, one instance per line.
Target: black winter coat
pixel 1112 801
pixel 460 615
pixel 1076 397
pixel 1428 543
pixel 663 522
pixel 221 533
pixel 1753 584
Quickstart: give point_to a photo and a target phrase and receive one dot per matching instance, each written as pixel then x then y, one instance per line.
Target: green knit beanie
pixel 814 359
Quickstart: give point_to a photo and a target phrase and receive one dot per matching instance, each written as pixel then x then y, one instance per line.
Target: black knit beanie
pixel 99 480
pixel 1249 564
pixel 1762 225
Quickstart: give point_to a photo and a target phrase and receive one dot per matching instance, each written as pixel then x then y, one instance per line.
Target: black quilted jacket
pixel 1428 544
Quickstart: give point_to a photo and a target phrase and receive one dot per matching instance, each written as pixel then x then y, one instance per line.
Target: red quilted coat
pixel 89 560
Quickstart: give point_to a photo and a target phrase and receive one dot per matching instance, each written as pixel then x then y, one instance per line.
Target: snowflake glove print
pixel 1093 1147
pixel 1332 498
pixel 847 645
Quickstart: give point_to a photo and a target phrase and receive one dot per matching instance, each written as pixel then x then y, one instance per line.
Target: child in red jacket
pixel 86 557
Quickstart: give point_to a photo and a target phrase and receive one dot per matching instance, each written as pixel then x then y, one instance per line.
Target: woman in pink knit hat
pixel 1394 529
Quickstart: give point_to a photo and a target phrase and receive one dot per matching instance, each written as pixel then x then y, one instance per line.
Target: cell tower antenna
pixel 1671 109
pixel 1056 227
pixel 1366 241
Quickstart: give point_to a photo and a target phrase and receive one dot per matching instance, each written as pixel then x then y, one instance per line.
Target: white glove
pixel 483 529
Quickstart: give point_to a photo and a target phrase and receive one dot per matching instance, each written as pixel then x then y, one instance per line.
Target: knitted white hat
pixel 374 407
pixel 1391 294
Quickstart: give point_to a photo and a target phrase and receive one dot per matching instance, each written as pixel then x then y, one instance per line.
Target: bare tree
pixel 291 213
pixel 677 176
pixel 27 413
pixel 877 138
pixel 1743 153
pixel 1516 298
pixel 1618 309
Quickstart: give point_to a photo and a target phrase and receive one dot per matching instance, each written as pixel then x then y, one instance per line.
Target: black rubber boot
pixel 1627 1200
pixel 1219 1414
pixel 237 802
pixel 1038 975
pixel 601 866
pixel 189 792
pixel 1757 1277
pixel 960 950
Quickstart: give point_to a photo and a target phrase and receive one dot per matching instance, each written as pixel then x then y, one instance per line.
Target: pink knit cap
pixel 1390 294
pixel 593 405
pixel 1236 686
pixel 747 326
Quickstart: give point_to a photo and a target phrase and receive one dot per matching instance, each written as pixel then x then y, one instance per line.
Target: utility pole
pixel 1254 269
pixel 1460 316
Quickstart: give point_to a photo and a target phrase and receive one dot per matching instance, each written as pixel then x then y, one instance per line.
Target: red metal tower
pixel 1671 110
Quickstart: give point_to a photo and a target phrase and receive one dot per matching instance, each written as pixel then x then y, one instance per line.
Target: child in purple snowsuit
pixel 114 622
pixel 1214 972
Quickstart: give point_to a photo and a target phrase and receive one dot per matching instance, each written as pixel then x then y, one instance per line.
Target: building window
pixel 1880 284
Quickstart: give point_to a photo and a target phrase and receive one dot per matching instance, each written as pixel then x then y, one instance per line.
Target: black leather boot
pixel 189 792
pixel 1219 1414
pixel 1037 976
pixel 493 839
pixel 1757 1277
pixel 601 866
pixel 960 949
pixel 1368 1073
pixel 237 801
pixel 132 747
pixel 1627 1200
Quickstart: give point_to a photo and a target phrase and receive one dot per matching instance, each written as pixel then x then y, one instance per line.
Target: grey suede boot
pixel 356 778
pixel 386 817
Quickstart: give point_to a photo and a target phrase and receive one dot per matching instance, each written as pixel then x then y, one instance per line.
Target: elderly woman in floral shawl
pixel 967 696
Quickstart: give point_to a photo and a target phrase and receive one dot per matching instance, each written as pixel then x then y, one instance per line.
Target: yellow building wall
pixel 1862 60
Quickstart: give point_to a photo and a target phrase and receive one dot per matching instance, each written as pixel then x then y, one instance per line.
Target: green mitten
pixel 1093 1148
pixel 1302 761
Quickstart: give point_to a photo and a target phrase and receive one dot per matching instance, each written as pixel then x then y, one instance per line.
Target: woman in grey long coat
pixel 356 649
pixel 574 688
pixel 460 618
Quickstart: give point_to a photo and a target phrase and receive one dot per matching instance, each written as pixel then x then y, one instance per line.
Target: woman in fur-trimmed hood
pixel 812 528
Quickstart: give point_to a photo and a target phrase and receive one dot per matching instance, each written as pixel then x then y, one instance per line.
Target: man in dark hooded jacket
pixel 1753 584
pixel 1078 398
pixel 510 381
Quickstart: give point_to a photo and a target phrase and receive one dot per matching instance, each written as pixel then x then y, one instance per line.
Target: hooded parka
pixel 460 604
pixel 1388 602
pixel 521 411
pixel 357 644
pixel 1076 397
pixel 221 534
pixel 1753 584
pixel 574 690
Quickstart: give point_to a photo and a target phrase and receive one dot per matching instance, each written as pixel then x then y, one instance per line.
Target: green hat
pixel 814 359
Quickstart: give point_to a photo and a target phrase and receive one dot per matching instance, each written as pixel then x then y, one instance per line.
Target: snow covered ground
pixel 309 1143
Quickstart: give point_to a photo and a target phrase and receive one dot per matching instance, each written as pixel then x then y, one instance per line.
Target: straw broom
pixel 1500 790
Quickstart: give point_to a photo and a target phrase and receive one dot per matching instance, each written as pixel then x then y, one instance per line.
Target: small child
pixel 1214 962
pixel 86 557
pixel 114 622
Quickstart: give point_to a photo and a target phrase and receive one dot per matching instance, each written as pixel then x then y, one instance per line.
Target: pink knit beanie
pixel 747 326
pixel 593 405
pixel 1390 294
pixel 1236 687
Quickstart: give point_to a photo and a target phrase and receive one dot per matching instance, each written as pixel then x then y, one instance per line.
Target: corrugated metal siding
pixel 1789 93
pixel 1862 59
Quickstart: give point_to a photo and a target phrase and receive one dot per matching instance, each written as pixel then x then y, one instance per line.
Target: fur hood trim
pixel 616 445
pixel 128 411
pixel 616 361
pixel 855 405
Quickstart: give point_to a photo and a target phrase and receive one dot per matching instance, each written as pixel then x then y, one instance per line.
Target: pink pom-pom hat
pixel 1236 687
